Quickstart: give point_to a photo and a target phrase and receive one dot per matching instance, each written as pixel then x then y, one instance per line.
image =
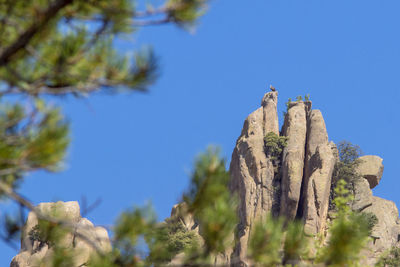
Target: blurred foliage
pixel 211 203
pixel 64 46
pixel 274 244
pixel 169 239
pixel 390 258
pixel 11 226
pixel 140 241
pixel 266 242
pixel 185 12
pixel 61 257
pixel 31 139
pixel 295 247
pixel 131 227
pixel 348 233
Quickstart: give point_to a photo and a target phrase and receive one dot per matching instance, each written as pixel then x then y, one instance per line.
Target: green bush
pixel 274 145
pixel 168 240
pixel 289 101
pixel 345 168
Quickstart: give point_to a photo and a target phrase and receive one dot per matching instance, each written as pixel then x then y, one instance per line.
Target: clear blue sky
pixel 129 149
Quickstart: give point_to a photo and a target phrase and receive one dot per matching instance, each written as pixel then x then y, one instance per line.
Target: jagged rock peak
pixel 36 252
pixel 269 104
pixel 300 186
pixel 252 173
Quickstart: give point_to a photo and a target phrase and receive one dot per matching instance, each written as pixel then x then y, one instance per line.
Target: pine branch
pixel 151 12
pixel 24 39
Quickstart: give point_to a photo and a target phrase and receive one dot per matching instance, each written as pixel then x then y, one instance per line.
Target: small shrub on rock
pixel 274 145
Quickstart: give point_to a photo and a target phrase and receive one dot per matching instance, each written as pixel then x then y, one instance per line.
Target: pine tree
pixel 55 48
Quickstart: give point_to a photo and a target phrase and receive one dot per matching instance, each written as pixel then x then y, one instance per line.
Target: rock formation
pixel 386 233
pixel 371 168
pixel 294 185
pixel 320 161
pixel 251 171
pixel 35 252
pixel 301 187
pixel 295 128
pixel 362 195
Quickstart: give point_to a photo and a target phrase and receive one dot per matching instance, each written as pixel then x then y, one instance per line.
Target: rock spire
pixel 301 188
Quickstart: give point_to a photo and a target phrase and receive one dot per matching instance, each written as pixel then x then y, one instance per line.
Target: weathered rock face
pixel 362 195
pixel 35 252
pixel 295 128
pixel 371 168
pixel 319 164
pixel 252 173
pixel 180 212
pixel 269 104
pixel 386 233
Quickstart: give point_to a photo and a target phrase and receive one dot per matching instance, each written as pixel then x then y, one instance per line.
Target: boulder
pixel 37 252
pixel 68 211
pixel 97 235
pixel 371 168
pixel 180 212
